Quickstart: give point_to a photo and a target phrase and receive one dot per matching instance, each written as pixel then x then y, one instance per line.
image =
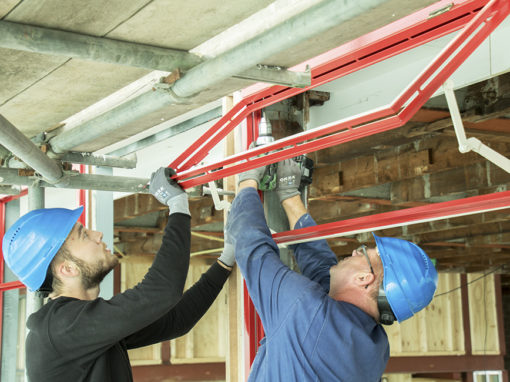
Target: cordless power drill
pixel 268 181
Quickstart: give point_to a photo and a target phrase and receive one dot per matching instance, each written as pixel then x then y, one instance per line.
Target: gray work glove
pixel 168 191
pixel 256 174
pixel 288 179
pixel 227 256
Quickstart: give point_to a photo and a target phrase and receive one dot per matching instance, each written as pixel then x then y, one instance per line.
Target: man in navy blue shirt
pixel 322 324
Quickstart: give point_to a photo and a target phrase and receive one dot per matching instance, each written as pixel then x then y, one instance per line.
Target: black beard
pixel 92 275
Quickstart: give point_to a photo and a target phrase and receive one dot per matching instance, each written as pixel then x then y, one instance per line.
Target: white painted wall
pixel 379 84
pixel 163 153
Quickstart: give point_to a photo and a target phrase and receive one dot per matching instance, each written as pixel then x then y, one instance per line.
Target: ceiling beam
pixel 74 45
pixel 28 152
pixel 74 180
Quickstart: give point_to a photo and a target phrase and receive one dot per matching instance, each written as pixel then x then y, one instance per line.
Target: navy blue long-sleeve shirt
pixel 309 335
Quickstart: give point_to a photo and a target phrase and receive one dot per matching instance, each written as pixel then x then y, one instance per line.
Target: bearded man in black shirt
pixel 77 336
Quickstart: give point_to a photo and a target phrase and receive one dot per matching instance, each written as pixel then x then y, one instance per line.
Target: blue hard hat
pixel 410 278
pixel 33 241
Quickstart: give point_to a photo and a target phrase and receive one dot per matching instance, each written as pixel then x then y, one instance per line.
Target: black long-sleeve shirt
pixel 81 340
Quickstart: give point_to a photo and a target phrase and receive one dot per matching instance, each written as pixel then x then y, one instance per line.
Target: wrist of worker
pixel 179 204
pixel 294 208
pixel 227 257
pixel 223 265
pixel 248 183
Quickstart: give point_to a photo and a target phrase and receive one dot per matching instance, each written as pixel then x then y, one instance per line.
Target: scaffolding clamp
pixel 218 204
pixel 471 144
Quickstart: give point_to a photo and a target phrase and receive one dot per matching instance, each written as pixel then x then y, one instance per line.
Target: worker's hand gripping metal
pixel 306 165
pixel 269 179
pixel 167 191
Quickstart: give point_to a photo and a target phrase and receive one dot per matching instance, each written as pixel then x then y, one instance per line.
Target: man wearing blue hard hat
pixel 325 323
pixel 77 336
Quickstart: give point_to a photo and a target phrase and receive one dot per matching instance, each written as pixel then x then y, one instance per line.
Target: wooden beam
pixel 418 165
pixel 234 358
pixel 326 211
pixel 484 135
pixel 118 229
pixel 150 244
pixel 203 212
pixel 135 205
pixel 442 364
pixel 480 235
pixel 131 206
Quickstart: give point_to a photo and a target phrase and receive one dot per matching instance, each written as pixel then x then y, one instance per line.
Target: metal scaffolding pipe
pixel 119 116
pixel 78 181
pixel 34 301
pixel 69 44
pixel 299 28
pixel 168 132
pixel 128 161
pixel 237 60
pixel 276 75
pixel 60 43
pixel 22 147
pixel 9 190
pixel 11 301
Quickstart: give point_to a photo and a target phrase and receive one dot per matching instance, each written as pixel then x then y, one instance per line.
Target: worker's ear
pixel 67 269
pixel 364 279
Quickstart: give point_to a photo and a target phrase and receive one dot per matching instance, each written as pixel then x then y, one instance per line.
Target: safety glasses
pixel 363 249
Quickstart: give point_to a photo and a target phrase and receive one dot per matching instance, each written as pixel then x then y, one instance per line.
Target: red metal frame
pixel 254 328
pixel 415 215
pixel 2 232
pixel 82 197
pixel 477 23
pixel 10 285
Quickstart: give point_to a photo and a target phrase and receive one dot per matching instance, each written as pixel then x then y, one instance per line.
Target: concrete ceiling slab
pixel 184 24
pixel 20 70
pixel 63 92
pixel 93 17
pixel 358 26
pixel 7 5
pixel 162 115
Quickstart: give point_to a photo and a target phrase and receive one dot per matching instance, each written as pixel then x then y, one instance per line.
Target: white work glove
pixel 255 174
pixel 288 179
pixel 227 256
pixel 168 191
